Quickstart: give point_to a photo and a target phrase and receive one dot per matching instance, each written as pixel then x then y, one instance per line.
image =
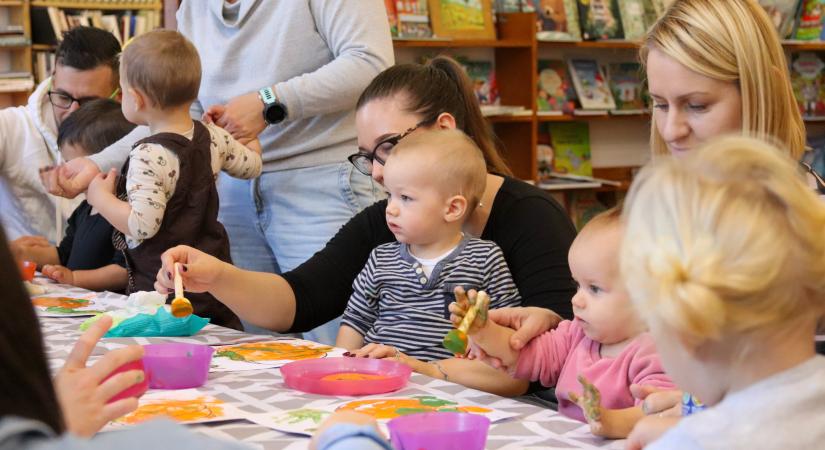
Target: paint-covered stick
pixel 181 307
pixel 456 340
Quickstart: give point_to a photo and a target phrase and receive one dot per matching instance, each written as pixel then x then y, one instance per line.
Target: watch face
pixel 275 113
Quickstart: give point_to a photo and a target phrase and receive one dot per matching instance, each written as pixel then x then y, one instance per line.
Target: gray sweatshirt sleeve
pixel 359 38
pixel 115 155
pixel 23 434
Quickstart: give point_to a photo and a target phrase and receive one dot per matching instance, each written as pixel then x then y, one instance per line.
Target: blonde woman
pixel 727 268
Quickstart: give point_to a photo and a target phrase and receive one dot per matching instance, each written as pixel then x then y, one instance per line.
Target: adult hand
pixel 101 188
pixel 351 417
pixel 529 322
pixel 242 116
pixel 69 179
pixel 648 430
pixel 81 391
pixel 198 269
pixel 658 401
pixel 59 273
pixel 28 247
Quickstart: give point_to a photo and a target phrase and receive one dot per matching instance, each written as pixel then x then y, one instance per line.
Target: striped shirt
pixel 395 303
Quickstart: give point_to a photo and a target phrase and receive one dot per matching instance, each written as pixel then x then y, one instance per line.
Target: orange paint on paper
pixel 61 302
pixel 190 410
pixel 390 408
pixel 353 376
pixel 271 351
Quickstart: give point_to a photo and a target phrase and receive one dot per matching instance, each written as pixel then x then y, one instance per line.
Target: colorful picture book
pixel 600 19
pixel 556 94
pixel 591 85
pixel 571 148
pixel 809 25
pixel 625 81
pixel 808 84
pixel 483 77
pixel 413 19
pixel 783 15
pixel 392 16
pixel 634 23
pixel 557 20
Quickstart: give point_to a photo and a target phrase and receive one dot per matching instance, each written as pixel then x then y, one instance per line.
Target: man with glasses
pixel 86 68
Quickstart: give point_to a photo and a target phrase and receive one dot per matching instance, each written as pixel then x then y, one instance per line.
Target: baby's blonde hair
pixel 733 41
pixel 725 242
pixel 165 66
pixel 454 161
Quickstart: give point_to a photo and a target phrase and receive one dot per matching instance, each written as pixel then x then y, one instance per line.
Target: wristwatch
pixel 274 110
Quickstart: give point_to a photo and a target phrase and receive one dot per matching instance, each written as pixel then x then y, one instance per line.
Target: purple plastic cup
pixel 439 431
pixel 177 366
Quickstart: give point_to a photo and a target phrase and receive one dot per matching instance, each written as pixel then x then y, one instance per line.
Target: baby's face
pixel 601 304
pixel 415 209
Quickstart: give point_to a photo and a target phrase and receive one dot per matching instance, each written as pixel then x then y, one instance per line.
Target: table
pixel 264 391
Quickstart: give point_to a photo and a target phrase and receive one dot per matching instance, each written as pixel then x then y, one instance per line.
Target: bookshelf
pixel 15 52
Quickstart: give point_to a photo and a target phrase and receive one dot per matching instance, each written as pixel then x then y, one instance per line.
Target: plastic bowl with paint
pixel 439 431
pixel 176 365
pixel 346 376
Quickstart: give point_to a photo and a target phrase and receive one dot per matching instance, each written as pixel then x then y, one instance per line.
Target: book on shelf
pixel 557 20
pixel 600 19
pixel 512 6
pixel 591 85
pixel 660 6
pixel 809 24
pixel 483 77
pixel 556 94
pixel 808 83
pixel 559 184
pixel 43 65
pixel 583 206
pixel 783 14
pixel 590 112
pixel 571 148
pixel 14 40
pixel 625 80
pixel 11 29
pixel 504 110
pixel 585 179
pixel 413 19
pixel 632 13
pixel 16 83
pixel 49 23
pixel 392 16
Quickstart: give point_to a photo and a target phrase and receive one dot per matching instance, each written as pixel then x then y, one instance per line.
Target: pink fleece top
pixel 559 356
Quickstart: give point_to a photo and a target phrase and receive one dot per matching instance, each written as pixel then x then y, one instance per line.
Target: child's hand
pixel 101 188
pixel 254 145
pixel 350 417
pixel 591 404
pixel 459 308
pixel 28 247
pixel 59 273
pixel 199 270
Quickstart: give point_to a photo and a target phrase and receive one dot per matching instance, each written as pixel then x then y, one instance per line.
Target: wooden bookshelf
pixel 116 5
pixel 17 57
pixel 461 43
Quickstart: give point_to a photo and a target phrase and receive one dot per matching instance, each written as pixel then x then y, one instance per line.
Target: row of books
pixel 49 23
pixel 808 81
pixel 16 81
pixel 584 87
pixel 43 65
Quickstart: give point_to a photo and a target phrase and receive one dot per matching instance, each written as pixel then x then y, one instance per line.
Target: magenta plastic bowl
pixel 177 366
pixel 317 376
pixel 439 430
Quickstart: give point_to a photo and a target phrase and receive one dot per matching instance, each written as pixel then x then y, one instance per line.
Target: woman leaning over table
pixel 714 67
pixel 532 229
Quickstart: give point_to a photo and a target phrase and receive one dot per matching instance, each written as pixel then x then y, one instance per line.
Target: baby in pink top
pixel 606 344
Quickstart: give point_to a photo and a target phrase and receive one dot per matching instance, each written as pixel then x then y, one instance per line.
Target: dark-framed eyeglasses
pixel 363 160
pixel 63 100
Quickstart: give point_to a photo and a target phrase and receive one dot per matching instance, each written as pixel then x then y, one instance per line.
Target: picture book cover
pixel 483 76
pixel 591 85
pixel 555 91
pixel 557 20
pixel 632 13
pixel 625 81
pixel 571 148
pixel 808 84
pixel 392 16
pixel 809 26
pixel 600 19
pixel 783 15
pixel 660 6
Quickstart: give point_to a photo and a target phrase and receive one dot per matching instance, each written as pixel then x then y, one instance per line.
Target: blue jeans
pixel 278 220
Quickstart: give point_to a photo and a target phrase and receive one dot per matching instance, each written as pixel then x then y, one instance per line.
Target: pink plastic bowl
pixel 439 431
pixel 177 366
pixel 307 376
pixel 136 390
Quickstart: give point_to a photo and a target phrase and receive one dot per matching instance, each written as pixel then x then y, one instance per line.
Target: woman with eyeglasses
pixel 533 230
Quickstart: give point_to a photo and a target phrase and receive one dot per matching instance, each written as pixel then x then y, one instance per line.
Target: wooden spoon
pixel 181 307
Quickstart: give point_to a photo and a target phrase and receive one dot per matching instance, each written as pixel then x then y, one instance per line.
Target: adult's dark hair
pixel 25 383
pixel 85 48
pixel 439 86
pixel 96 125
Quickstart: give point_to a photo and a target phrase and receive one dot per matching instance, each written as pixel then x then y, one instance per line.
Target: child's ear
pixel 456 207
pixel 141 101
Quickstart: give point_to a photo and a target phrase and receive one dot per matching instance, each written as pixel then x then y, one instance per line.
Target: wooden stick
pixel 178 282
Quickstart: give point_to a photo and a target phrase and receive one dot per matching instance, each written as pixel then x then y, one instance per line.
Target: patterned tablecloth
pixel 259 391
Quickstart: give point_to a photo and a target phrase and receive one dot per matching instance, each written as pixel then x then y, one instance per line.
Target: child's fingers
pixel 118 409
pixel 461 297
pixel 86 343
pixel 118 383
pixel 573 397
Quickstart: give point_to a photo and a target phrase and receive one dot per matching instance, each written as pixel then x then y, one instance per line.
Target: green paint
pixel 456 342
pixel 230 354
pixel 408 411
pixel 301 415
pixel 429 400
pixel 63 310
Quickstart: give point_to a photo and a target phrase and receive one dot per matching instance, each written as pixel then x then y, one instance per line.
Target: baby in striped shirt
pixel 435 179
